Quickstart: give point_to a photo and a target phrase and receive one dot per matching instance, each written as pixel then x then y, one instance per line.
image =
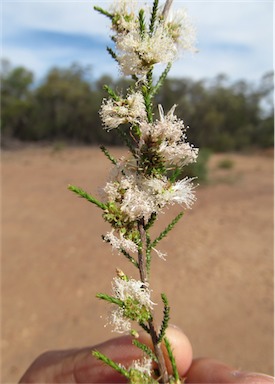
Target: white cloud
pixel 72 17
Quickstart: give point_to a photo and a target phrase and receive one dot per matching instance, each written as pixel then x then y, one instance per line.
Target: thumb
pixel 122 351
pixel 79 366
pixel 207 370
pixel 181 348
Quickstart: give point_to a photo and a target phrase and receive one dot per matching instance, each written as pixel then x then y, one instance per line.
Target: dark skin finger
pixel 79 366
pixel 210 371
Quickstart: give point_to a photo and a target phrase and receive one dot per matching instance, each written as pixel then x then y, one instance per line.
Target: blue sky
pixel 233 37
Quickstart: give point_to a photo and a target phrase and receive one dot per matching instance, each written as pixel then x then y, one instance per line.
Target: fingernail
pixel 252 378
pixel 175 327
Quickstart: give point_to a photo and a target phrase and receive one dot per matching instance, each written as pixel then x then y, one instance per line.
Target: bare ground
pixel 218 274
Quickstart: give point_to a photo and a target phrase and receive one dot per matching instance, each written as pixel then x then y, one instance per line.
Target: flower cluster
pixel 167 137
pixel 135 197
pixel 134 303
pixel 115 112
pixel 140 187
pixel 139 371
pixel 139 48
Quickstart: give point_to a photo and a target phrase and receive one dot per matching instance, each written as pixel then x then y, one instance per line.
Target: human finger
pixel 181 347
pixel 122 351
pixel 79 366
pixel 210 371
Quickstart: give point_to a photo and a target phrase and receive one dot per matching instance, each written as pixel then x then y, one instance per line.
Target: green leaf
pixel 110 299
pixel 103 12
pixel 175 174
pixel 161 79
pixel 129 257
pixel 148 351
pixel 142 26
pixel 112 54
pixel 111 93
pixel 166 318
pixel 80 192
pixel 167 230
pixel 153 16
pixel 151 221
pixel 147 95
pixel 118 367
pixel 108 155
pixel 144 327
pixel 172 359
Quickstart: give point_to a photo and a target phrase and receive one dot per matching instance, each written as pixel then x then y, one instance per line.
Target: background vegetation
pixel 63 107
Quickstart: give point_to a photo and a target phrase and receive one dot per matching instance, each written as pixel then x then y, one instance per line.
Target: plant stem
pixel 164 378
pixel 166 9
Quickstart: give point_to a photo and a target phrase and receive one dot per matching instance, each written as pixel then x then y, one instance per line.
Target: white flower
pixel 136 298
pixel 111 190
pixel 169 134
pixel 124 12
pixel 136 53
pixel 165 193
pixel 133 289
pixel 137 197
pixel 137 204
pixel 120 323
pixel 168 128
pixel 182 30
pixel 154 185
pixel 123 6
pixel 118 243
pixel 129 110
pixel 179 154
pixel 136 107
pixel 181 193
pixel 143 366
pixel 119 183
pixel 130 197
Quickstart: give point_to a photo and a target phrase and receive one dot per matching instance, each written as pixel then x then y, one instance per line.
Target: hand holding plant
pixel 146 182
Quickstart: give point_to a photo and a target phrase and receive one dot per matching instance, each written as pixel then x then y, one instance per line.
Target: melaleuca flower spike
pixel 143 184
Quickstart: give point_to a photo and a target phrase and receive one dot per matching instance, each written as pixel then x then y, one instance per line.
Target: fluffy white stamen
pixel 118 243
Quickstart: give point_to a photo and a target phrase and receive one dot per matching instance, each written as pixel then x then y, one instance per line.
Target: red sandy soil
pixel 218 274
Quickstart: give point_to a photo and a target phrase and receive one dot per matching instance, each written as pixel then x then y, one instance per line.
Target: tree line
pixel 64 106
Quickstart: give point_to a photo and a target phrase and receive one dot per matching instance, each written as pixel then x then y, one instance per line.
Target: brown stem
pixel 164 378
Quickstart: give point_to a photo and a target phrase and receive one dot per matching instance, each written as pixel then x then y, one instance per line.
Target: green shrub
pixel 225 163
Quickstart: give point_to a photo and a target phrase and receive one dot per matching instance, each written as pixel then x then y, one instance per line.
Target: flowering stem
pixel 143 277
pixel 142 185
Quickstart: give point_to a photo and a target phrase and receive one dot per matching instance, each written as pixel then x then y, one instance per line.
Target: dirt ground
pixel 218 274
